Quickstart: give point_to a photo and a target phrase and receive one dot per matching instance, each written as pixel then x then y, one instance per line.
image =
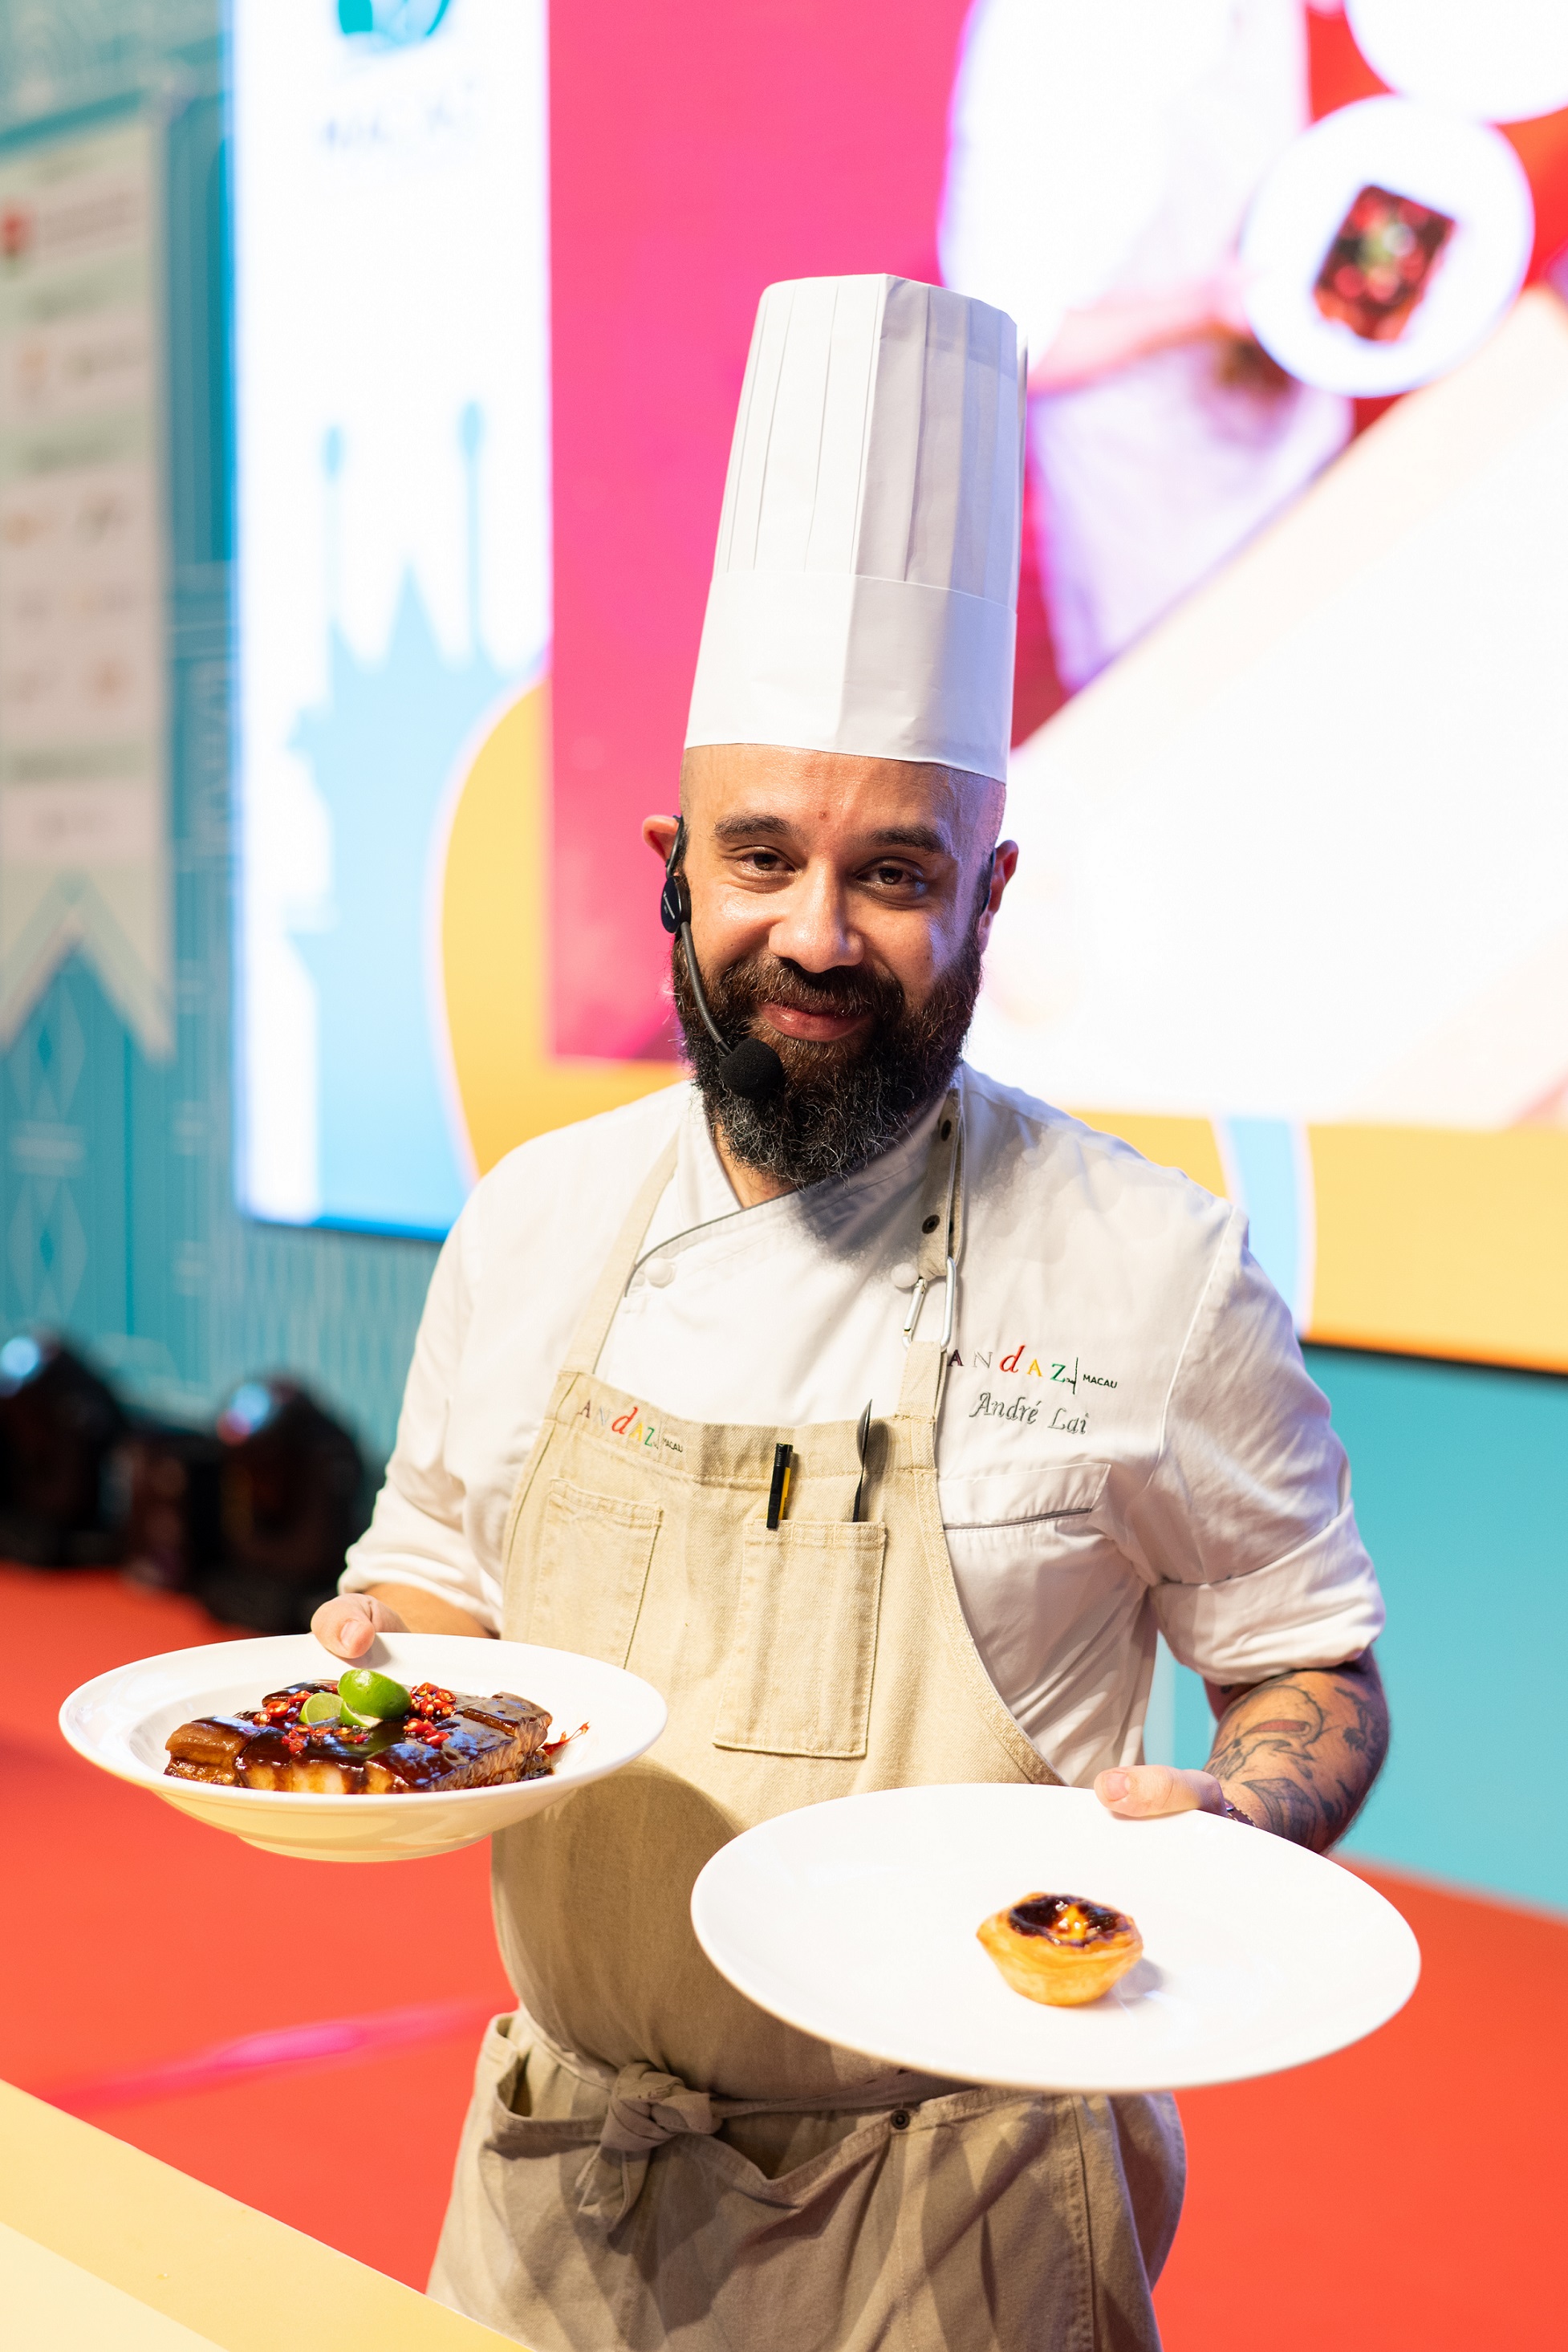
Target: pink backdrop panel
pixel 699 152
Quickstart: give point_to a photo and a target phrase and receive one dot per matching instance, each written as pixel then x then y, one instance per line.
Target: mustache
pixel 743 989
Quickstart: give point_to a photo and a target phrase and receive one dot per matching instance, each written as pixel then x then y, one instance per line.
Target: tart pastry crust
pixel 1061 1948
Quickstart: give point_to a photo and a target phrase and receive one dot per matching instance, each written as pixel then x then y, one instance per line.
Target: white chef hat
pixel 866 577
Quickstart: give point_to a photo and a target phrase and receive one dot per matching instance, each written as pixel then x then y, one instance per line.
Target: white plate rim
pixel 702 1900
pixel 308 1803
pixel 1434 154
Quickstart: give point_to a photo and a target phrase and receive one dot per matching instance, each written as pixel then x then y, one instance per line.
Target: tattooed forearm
pixel 1300 1753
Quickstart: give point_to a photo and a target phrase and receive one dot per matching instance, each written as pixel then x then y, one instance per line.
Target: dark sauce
pixel 446 1739
pixel 1041 1915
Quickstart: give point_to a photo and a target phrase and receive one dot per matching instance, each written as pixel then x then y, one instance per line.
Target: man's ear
pixel 1003 865
pixel 659 832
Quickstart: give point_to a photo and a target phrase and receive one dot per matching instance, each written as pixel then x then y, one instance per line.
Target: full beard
pixel 844 1103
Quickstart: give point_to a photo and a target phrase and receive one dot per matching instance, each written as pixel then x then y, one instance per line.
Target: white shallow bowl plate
pixel 120 1721
pixel 1462 168
pixel 856 1921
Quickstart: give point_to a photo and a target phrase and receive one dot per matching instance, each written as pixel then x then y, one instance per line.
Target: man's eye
pixel 895 878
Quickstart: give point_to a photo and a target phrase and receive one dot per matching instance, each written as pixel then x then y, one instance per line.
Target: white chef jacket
pixel 1101 147
pixel 1128 1441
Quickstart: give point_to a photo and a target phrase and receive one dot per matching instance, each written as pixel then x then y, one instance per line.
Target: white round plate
pixel 1461 168
pixel 856 1921
pixel 120 1721
pixel 1500 60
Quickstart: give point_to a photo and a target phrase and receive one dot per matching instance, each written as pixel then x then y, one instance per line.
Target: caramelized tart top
pixel 1071 1921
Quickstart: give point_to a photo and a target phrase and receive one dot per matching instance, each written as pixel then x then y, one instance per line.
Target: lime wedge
pixel 369 1698
pixel 321 1706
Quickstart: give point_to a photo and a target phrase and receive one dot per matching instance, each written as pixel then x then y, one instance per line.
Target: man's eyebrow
pixel 760 824
pixel 911 836
pixel 749 824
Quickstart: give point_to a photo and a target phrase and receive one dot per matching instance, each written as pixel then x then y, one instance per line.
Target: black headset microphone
pixel 749 1069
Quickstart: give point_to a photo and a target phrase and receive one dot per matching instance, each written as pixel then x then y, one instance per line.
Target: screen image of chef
pixel 1037 1402
pixel 1099 167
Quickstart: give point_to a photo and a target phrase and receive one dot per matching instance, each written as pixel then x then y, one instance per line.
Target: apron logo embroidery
pixel 1063 1373
pixel 630 1426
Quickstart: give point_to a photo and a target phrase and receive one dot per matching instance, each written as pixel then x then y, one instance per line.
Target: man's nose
pixel 812 927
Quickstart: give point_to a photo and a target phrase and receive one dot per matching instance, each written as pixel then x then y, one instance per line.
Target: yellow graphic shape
pixel 1430 1241
pixel 1434 1240
pixel 1189 1144
pixel 495 953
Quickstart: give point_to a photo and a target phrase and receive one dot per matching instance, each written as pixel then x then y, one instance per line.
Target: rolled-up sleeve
pixel 418 1534
pixel 1244 1529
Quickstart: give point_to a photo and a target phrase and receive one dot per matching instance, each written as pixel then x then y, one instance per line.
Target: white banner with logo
pixel 84 830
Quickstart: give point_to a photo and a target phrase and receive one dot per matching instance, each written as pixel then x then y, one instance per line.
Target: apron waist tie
pixel 647 2108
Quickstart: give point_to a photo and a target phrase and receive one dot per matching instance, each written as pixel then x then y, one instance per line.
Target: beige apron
pixel 650 2160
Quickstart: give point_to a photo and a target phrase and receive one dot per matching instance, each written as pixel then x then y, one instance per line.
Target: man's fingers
pixel 348 1625
pixel 1143 1791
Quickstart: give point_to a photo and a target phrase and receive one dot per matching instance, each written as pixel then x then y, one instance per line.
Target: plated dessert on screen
pixel 365 1735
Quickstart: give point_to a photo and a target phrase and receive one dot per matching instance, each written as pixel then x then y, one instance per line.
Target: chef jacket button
pixel 660 1271
pixel 900 2118
pixel 905 1276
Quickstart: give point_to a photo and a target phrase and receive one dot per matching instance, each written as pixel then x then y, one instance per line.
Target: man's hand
pixel 1297 1755
pixel 1122 327
pixel 349 1624
pixel 1140 1791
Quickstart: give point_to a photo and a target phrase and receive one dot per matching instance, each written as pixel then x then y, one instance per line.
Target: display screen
pixel 1288 749
pixel 392 358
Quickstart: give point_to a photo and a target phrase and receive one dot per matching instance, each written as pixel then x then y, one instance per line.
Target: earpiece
pixel 674 898
pixel 749 1069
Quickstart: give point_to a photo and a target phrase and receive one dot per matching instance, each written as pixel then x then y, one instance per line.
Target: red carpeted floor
pixel 1403 2193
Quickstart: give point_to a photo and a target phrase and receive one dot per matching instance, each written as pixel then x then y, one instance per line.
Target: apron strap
pixel 588 1339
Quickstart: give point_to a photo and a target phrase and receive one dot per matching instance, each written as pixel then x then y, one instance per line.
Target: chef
pixel 1038 1403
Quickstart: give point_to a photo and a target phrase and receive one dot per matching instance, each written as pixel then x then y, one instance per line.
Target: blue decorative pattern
pixel 116 1217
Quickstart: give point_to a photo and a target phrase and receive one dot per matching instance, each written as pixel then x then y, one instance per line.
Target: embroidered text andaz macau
pixel 1061 1373
pixel 631 1425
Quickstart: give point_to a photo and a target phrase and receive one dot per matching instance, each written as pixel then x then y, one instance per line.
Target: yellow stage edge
pixel 224 2274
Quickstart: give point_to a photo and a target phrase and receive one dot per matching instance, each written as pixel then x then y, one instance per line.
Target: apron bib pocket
pixel 589 1574
pixel 798 1681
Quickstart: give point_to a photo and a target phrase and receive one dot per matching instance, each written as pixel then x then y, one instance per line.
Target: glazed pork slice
pixel 209 1749
pixel 447 1740
pixel 466 1749
pixel 505 1712
pixel 480 1742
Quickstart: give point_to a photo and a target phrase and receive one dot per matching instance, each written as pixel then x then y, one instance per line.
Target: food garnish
pixel 369 1698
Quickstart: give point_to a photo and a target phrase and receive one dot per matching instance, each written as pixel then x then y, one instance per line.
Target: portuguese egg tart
pixel 1061 1948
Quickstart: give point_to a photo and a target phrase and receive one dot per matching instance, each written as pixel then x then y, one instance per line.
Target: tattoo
pixel 1303 1751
